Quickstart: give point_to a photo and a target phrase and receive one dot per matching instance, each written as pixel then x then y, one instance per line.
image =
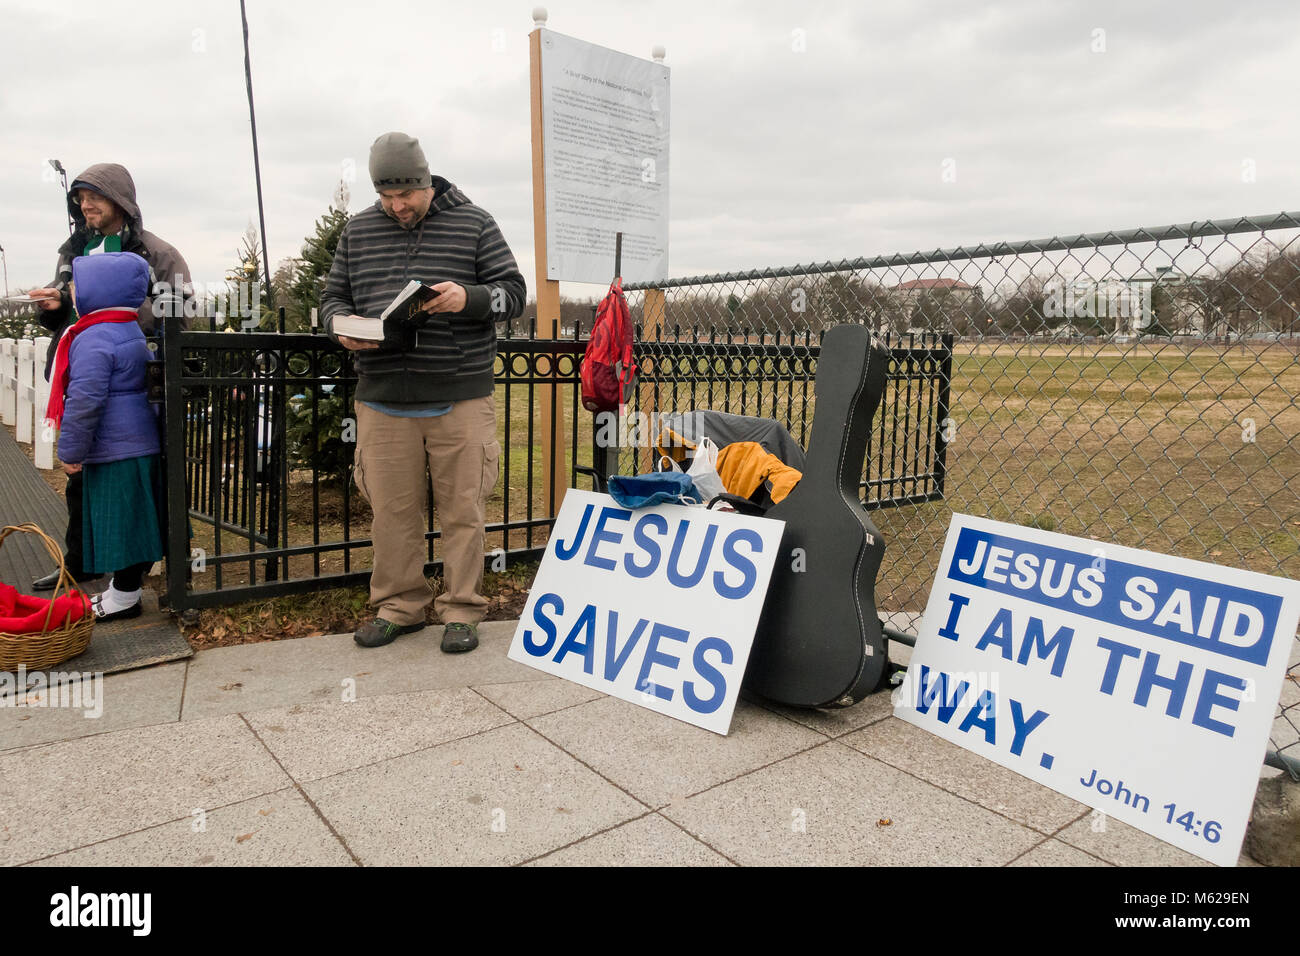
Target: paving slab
pixel 315 740
pixel 966 774
pixel 658 759
pixel 131 699
pixel 1055 853
pixel 649 841
pixel 838 721
pixel 833 806
pixel 1123 845
pixel 227 680
pixel 497 798
pixel 532 698
pixel 275 829
pixel 61 796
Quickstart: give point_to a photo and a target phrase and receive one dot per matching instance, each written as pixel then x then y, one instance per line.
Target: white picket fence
pixel 24 393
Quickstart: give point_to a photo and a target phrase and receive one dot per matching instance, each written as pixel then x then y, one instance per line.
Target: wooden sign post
pixel 555 470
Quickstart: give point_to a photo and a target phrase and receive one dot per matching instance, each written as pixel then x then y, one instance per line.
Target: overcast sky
pixel 779 154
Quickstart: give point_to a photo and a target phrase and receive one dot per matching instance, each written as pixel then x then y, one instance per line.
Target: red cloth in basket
pixel 22 614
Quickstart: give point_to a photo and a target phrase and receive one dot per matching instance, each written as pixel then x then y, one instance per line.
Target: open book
pixel 397 325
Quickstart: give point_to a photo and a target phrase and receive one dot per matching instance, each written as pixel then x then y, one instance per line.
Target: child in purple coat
pixel 109 431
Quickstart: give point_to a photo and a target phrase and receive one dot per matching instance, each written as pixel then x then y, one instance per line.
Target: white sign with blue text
pixel 657 606
pixel 1137 683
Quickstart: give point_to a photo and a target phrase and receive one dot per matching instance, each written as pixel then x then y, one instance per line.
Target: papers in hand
pixel 397 322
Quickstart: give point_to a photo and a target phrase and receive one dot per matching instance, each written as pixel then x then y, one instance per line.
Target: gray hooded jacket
pixel 165 263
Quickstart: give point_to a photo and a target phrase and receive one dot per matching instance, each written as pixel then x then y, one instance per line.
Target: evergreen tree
pixel 313 267
pixel 240 283
pixel 282 280
pixel 318 440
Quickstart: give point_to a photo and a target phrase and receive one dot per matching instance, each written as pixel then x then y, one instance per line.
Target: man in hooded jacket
pixel 108 219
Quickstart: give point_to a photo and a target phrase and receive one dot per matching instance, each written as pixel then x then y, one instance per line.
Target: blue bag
pixel 655 488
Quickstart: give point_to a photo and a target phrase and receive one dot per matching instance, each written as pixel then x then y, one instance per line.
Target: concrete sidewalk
pixel 252 755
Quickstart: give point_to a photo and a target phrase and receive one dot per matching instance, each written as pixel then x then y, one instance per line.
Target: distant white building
pixel 1124 307
pixel 1180 297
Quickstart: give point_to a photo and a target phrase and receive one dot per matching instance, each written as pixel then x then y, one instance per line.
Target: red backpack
pixel 608 369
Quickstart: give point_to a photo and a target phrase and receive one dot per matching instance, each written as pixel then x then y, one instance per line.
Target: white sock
pixel 114 600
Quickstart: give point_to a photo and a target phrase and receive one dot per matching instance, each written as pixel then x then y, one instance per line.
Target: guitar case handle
pixel 742 505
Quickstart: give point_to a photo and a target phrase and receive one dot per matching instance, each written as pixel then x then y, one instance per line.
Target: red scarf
pixel 59 380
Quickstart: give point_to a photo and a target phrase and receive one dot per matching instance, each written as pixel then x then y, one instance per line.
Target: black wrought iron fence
pixel 260 440
pixel 261 436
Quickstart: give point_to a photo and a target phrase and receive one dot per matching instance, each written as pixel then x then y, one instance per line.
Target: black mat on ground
pixel 151 638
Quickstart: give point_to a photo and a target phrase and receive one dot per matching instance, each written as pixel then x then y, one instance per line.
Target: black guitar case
pixel 819 642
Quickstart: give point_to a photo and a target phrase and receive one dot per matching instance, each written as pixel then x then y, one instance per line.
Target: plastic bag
pixel 704 469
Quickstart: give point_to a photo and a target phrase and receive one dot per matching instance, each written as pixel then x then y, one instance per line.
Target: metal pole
pixel 257 166
pixel 177 497
pixel 63 174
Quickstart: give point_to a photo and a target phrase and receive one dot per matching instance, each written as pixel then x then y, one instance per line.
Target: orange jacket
pixel 744 465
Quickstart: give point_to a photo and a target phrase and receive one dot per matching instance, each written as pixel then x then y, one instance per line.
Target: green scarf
pixel 111 244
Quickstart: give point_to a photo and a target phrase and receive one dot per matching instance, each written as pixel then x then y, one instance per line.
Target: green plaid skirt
pixel 120 519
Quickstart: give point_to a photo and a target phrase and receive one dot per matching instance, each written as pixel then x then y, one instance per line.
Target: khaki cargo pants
pixel 462 454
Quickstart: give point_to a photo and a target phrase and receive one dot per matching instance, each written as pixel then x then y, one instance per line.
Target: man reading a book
pixel 426 398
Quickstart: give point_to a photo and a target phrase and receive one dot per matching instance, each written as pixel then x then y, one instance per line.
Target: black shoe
pixel 102 617
pixel 51 580
pixel 457 638
pixel 379 632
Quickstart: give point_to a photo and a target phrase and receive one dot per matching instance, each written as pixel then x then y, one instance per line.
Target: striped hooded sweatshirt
pixel 456 241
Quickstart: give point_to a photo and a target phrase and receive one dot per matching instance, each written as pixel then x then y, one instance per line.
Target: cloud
pixel 799 132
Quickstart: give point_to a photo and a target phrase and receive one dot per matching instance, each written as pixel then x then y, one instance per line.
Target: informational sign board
pixel 1139 684
pixel 656 606
pixel 605 134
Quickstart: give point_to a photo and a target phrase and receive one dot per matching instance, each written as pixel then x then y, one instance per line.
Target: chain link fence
pixel 1140 387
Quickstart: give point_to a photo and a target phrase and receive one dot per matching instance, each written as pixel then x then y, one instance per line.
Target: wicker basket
pixel 50 646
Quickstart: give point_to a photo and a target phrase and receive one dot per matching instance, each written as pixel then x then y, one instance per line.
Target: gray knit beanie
pixel 397 162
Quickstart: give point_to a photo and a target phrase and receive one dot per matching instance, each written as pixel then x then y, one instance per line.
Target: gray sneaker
pixel 458 637
pixel 379 632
